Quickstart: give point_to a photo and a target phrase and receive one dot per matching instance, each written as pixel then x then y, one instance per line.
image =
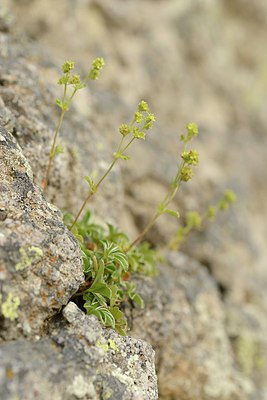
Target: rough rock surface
pixel 28 111
pixel 191 60
pixel 40 260
pixel 79 360
pixel 184 320
pixel 43 354
pixel 204 61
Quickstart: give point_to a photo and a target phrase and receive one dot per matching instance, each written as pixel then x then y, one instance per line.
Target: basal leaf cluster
pixel 109 266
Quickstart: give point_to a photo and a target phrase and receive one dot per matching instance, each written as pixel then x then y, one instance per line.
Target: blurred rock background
pixel 192 60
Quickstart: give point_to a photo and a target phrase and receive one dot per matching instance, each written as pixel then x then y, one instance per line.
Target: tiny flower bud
pixel 97 65
pixel 143 106
pixel 190 157
pixel 186 174
pixel 125 129
pixel 75 80
pixel 223 205
pixel 229 197
pixel 211 213
pixel 138 117
pixel 138 134
pixel 67 66
pixel 193 219
pixel 149 121
pixel 192 130
pixel 63 80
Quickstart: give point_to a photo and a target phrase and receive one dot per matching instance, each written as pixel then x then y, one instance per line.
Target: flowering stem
pixel 52 151
pixel 91 193
pixel 166 201
pixel 53 147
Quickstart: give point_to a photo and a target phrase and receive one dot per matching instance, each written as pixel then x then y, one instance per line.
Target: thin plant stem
pixel 142 234
pixel 53 147
pixel 166 201
pixel 51 154
pixel 91 193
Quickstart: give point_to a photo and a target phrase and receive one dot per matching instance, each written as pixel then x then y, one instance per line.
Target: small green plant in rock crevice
pixel 108 269
pixel 110 258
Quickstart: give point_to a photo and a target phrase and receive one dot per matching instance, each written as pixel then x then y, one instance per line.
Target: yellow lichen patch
pixel 103 346
pixel 10 306
pixel 112 345
pixel 9 373
pixel 248 352
pixel 28 256
pixel 106 346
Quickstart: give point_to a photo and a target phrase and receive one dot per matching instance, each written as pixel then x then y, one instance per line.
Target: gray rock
pixel 79 360
pixel 184 320
pixel 191 60
pixel 66 355
pixel 40 259
pixel 27 109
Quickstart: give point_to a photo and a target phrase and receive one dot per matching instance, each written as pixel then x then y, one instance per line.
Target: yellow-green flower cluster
pixel 67 67
pixel 143 106
pixel 75 80
pixel 193 219
pixel 192 131
pixel 186 173
pixel 141 115
pixel 190 157
pixel 68 79
pixel 228 198
pixel 138 117
pixel 125 129
pixel 97 65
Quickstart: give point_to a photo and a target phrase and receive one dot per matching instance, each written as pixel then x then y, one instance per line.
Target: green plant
pixel 193 220
pixel 71 83
pixel 189 158
pixel 137 129
pixel 108 270
pixel 110 259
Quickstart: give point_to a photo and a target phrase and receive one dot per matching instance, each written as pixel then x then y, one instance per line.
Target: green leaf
pixel 100 288
pixel 120 155
pixel 59 103
pixel 112 254
pixel 99 275
pixel 172 212
pixel 120 321
pixel 102 313
pixel 91 183
pixel 58 150
pixel 138 300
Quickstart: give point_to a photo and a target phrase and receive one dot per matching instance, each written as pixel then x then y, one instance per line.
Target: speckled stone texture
pixel 79 360
pixel 184 320
pixel 40 260
pixel 28 91
pixel 46 353
pixel 199 61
